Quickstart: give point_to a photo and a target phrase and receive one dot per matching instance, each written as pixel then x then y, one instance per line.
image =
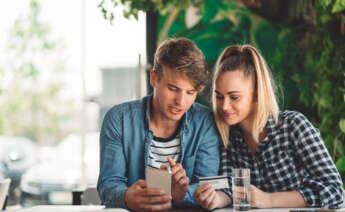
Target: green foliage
pixel 325 3
pixel 266 37
pixel 338 6
pixel 341 164
pixel 31 81
pixel 342 125
pixel 133 7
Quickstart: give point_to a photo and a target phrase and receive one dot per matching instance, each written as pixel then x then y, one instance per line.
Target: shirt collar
pixel 148 110
pixel 271 126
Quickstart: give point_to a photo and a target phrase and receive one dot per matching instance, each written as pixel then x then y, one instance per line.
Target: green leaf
pixel 341 164
pixel 339 147
pixel 325 18
pixel 342 125
pixel 338 6
pixel 325 3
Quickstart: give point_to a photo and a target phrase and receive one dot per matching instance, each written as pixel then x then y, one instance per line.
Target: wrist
pixel 222 200
pixel 126 199
pixel 177 197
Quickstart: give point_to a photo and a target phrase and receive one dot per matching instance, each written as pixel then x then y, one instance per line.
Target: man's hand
pixel 140 198
pixel 180 181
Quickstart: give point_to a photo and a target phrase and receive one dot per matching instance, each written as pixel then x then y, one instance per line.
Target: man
pixel 165 130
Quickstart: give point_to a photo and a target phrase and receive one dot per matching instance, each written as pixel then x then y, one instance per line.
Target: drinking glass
pixel 241 189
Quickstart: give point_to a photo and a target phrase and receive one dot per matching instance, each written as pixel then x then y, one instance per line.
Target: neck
pixel 247 127
pixel 247 130
pixel 160 125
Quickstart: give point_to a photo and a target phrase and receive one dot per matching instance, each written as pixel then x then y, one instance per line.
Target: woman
pixel 290 165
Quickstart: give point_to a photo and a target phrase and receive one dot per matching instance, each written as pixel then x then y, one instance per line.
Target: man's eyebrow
pixel 171 85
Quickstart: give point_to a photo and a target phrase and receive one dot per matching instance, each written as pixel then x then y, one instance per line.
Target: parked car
pixel 17 154
pixel 52 181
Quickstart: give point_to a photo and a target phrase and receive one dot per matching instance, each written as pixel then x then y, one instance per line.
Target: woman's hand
pixel 259 198
pixel 208 198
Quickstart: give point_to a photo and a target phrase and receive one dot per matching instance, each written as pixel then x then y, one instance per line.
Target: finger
pixel 183 182
pixel 205 194
pixel 210 200
pixel 157 199
pixel 141 184
pixel 151 192
pixel 204 187
pixel 157 207
pixel 163 167
pixel 178 175
pixel 200 190
pixel 172 163
pixel 239 189
pixel 252 188
pixel 176 168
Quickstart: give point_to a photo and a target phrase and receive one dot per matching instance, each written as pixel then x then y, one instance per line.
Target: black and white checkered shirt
pixel 291 157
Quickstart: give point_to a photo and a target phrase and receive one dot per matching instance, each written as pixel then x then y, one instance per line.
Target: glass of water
pixel 241 189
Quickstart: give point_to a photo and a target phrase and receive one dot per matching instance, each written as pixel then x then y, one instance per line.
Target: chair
pixel 4 186
pixel 88 196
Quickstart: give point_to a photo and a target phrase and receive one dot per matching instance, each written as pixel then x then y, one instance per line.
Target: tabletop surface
pixel 85 208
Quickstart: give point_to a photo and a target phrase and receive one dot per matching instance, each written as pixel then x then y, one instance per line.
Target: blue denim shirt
pixel 124 148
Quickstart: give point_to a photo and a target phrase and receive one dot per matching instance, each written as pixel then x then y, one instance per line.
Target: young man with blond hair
pixel 165 129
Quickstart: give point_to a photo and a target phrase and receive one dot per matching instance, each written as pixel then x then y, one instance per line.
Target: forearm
pixel 292 199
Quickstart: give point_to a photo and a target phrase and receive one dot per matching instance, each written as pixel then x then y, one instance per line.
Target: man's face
pixel 174 94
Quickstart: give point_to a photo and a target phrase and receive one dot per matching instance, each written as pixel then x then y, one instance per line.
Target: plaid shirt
pixel 291 157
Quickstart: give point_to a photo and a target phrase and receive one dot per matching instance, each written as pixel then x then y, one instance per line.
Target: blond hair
pixel 247 59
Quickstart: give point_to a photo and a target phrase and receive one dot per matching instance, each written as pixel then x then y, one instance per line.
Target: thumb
pixel 163 167
pixel 141 183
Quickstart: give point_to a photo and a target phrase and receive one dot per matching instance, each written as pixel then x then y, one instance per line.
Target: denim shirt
pixel 124 148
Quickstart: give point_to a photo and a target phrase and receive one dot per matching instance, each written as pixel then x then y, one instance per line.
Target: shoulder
pixel 199 112
pixel 297 123
pixel 292 117
pixel 120 110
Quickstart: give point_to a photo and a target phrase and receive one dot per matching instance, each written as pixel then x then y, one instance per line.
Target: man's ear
pixel 153 78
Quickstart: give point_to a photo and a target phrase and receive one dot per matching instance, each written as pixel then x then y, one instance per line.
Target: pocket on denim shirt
pixel 188 165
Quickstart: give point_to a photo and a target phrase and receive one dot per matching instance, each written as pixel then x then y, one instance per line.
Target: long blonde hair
pixel 247 59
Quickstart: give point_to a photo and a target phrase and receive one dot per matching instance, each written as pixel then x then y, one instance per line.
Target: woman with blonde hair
pixel 289 163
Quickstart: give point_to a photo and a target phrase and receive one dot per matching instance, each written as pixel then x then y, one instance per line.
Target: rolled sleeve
pixel 226 169
pixel 207 156
pixel 113 198
pixel 322 187
pixel 112 181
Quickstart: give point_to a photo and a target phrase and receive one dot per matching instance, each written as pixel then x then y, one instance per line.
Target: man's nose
pixel 180 99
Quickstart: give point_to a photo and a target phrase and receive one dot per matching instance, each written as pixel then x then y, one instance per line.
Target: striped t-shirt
pixel 162 148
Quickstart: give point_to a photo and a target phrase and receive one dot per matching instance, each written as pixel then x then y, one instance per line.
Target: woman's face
pixel 235 97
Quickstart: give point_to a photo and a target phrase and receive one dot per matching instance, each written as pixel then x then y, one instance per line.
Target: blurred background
pixel 64 63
